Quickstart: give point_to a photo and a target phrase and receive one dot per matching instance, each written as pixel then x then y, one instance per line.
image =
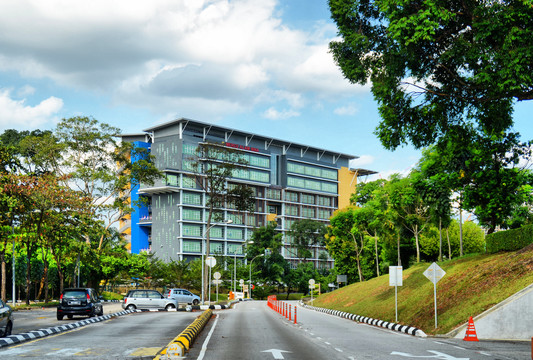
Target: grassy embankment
pixel 472 284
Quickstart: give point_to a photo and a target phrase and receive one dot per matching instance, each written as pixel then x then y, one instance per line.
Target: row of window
pixel 215 247
pixel 250 159
pixel 215 232
pixel 310 170
pixel 309 184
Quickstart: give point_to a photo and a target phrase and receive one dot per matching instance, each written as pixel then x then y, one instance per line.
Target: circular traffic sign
pixel 210 261
pixel 216 275
pixel 241 281
pixel 311 281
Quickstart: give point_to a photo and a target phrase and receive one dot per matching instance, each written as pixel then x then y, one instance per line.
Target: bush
pixel 509 240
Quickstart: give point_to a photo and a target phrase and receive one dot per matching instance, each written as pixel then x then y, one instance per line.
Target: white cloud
pixel 16 114
pixel 346 110
pixel 163 53
pixel 362 161
pixel 274 114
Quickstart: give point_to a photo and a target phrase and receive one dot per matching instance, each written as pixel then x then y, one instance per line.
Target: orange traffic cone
pixel 471 334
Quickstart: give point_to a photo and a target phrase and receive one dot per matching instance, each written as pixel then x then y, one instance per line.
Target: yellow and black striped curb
pixel 182 343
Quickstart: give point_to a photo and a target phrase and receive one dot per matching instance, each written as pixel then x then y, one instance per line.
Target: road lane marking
pixel 277 354
pixel 339 350
pixel 206 342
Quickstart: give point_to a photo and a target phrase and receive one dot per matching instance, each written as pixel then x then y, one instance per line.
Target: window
pixel 291 196
pixel 308 212
pixel 188 165
pixel 312 171
pixel 329 174
pixel 274 194
pixel 324 213
pixel 192 246
pixel 291 210
pixel 192 214
pixel 235 249
pixel 188 182
pixel 260 176
pixel 295 168
pixel 192 230
pixel 324 201
pixel 295 182
pixel 236 218
pixel 189 149
pixel 192 198
pixel 259 161
pixel 329 187
pixel 172 180
pixel 237 234
pixel 308 199
pixel 313 185
pixel 216 232
pixel 216 248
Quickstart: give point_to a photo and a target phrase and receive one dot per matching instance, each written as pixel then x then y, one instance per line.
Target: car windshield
pixel 78 294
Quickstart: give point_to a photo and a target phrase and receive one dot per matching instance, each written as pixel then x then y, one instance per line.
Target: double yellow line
pixel 182 343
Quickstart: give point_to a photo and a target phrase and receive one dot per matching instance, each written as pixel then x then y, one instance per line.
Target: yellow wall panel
pixel 347 185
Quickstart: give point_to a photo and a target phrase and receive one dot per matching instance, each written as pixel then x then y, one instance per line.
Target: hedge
pixel 509 240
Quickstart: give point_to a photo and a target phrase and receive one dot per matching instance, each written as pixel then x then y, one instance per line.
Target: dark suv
pixel 79 301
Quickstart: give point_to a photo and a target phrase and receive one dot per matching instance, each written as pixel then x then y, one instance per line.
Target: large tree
pixel 213 166
pixel 434 64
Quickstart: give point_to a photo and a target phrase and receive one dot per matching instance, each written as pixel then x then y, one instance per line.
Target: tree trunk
pixel 377 255
pixel 399 257
pixel 449 244
pixel 4 276
pixel 440 239
pixel 417 244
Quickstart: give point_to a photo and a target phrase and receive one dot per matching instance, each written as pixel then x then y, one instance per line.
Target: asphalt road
pixel 254 331
pixel 132 336
pixel 28 320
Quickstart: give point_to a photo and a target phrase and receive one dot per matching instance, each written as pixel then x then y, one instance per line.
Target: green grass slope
pixel 472 284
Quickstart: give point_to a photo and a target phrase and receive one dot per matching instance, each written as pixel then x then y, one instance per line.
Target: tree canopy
pixel 437 65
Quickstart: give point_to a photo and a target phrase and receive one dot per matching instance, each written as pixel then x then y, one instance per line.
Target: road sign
pixel 241 281
pixel 395 276
pixel 216 275
pixel 434 273
pixel 217 281
pixel 311 281
pixel 210 261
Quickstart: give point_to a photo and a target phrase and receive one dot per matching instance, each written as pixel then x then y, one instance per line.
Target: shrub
pixel 509 240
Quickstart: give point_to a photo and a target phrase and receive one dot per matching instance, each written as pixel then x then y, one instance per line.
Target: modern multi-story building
pixel 290 181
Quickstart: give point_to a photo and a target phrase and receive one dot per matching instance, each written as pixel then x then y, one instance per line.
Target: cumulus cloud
pixel 17 114
pixel 362 161
pixel 346 110
pixel 274 114
pixel 163 53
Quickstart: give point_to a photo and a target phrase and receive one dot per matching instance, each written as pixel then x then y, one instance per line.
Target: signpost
pixel 216 275
pixel 395 279
pixel 434 273
pixel 210 261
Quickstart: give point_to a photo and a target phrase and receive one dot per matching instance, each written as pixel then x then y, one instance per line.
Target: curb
pixel 36 334
pixel 182 343
pixel 410 330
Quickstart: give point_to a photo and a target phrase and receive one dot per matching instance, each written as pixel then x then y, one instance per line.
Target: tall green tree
pixel 435 64
pixel 213 166
pixel 306 233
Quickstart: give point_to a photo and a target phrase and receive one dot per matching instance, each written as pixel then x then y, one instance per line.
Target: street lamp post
pixel 229 221
pixel 250 285
pixel 13 234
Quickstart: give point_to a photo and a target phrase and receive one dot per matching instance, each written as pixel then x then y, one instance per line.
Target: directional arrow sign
pixel 277 353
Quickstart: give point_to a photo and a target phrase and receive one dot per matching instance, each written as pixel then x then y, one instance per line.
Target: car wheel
pixel 131 307
pixel 101 311
pixel 9 328
pixel 70 316
pixel 169 307
pixel 195 302
pixel 59 317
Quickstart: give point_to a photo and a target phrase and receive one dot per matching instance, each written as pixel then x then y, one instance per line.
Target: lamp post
pixel 229 221
pixel 250 285
pixel 13 234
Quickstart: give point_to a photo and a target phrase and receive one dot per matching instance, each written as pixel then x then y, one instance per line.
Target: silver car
pixel 6 319
pixel 183 296
pixel 148 299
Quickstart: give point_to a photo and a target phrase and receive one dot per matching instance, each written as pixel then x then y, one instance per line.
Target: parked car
pixel 79 301
pixel 6 319
pixel 148 299
pixel 183 296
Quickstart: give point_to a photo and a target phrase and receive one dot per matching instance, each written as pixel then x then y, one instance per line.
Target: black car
pixel 79 301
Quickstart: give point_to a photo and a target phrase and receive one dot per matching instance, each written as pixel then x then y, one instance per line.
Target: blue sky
pixel 259 66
